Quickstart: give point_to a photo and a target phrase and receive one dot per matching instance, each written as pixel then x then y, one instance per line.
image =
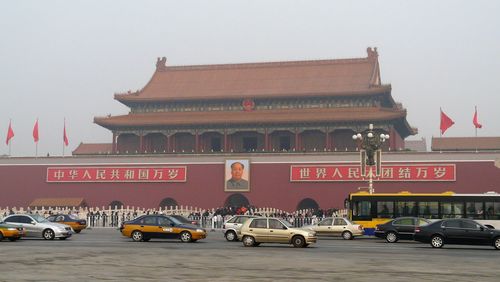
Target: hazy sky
pixel 66 59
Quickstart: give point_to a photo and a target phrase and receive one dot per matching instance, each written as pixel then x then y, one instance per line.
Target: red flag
pixel 446 122
pixel 475 122
pixel 35 131
pixel 10 134
pixel 65 137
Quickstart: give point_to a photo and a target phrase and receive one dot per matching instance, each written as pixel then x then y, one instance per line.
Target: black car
pixel 457 231
pixel 399 228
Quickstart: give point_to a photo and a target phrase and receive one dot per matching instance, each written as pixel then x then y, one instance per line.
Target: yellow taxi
pixel 72 220
pixel 10 232
pixel 147 227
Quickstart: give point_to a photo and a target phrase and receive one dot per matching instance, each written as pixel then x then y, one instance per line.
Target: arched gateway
pixel 168 202
pixel 116 204
pixel 236 200
pixel 307 203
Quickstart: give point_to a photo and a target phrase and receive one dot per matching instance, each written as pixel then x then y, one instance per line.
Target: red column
pixel 167 149
pixel 297 145
pixel 327 139
pixel 141 144
pixel 266 140
pixel 196 142
pixel 225 140
pixel 173 143
pixel 392 139
pixel 113 148
pixel 332 143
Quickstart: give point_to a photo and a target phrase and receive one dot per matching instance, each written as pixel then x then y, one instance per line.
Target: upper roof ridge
pixel 267 64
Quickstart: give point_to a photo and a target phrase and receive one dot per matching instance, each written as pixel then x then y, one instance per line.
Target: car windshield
pixel 286 223
pixel 348 221
pixel 174 220
pixel 74 217
pixel 181 219
pixel 39 218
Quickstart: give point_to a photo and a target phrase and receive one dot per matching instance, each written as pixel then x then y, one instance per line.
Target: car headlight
pixel 200 230
pixel 12 229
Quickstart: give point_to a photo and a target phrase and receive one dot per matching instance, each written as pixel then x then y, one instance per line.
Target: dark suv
pixel 457 231
pixel 399 228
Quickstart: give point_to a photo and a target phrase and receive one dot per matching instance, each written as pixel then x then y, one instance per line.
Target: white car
pixel 39 227
pixel 232 226
pixel 337 226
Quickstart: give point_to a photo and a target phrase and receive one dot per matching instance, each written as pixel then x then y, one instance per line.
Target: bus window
pixel 428 210
pixel 406 209
pixel 492 210
pixel 452 210
pixel 474 210
pixel 385 209
pixel 362 209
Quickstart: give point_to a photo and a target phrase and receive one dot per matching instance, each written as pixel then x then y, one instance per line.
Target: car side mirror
pixel 285 228
pixel 33 222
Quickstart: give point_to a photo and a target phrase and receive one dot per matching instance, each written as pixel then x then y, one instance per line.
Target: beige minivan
pixel 273 230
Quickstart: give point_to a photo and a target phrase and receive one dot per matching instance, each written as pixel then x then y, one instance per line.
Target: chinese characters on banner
pixel 421 172
pixel 117 174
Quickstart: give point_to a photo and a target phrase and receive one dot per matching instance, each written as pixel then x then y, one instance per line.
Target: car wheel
pixel 230 236
pixel 137 236
pixel 186 237
pixel 48 234
pixel 391 237
pixel 249 241
pixel 347 235
pixel 78 231
pixel 298 241
pixel 437 241
pixel 496 243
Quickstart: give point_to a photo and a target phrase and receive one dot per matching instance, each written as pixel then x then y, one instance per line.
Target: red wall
pixel 270 187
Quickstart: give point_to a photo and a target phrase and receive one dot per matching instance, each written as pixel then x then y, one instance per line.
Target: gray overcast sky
pixel 67 58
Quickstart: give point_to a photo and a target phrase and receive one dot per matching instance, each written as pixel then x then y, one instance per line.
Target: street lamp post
pixel 370 152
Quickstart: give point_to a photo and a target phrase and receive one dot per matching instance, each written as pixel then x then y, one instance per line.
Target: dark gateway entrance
pixel 307 203
pixel 236 200
pixel 168 202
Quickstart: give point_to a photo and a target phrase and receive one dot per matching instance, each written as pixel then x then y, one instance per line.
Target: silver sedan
pixel 39 227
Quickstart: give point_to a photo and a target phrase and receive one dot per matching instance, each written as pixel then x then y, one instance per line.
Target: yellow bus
pixel 372 209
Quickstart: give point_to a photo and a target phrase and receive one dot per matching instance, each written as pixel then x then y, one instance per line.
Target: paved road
pixel 103 254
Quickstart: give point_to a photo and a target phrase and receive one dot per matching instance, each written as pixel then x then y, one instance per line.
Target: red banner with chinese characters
pixel 117 174
pixel 397 172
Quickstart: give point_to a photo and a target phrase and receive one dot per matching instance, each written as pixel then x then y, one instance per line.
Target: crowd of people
pixel 212 219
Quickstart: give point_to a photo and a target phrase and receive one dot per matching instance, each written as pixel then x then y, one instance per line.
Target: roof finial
pixel 161 64
pixel 372 53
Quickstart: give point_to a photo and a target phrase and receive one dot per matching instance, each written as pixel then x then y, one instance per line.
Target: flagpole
pixel 10 140
pixel 64 129
pixel 475 127
pixel 36 141
pixel 440 113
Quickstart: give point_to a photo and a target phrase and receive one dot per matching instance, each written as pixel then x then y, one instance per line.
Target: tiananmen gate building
pixel 287 126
